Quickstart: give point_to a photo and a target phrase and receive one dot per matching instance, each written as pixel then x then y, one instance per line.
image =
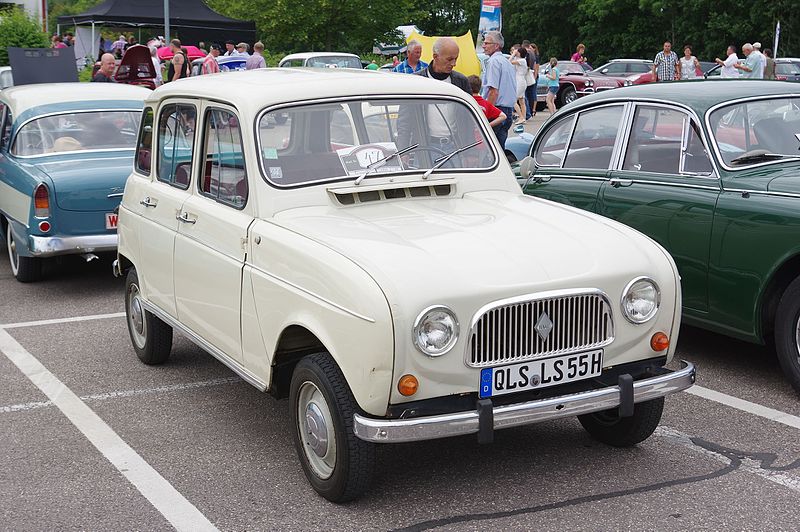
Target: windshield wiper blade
pixel 450 156
pixel 377 164
pixel 743 159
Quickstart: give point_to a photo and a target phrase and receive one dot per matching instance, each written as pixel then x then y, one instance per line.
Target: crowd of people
pixel 755 64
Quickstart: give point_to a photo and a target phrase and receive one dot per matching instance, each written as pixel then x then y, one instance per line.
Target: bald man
pixel 106 72
pixel 445 56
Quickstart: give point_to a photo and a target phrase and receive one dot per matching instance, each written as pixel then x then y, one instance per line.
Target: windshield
pixel 81 131
pixel 758 127
pixel 787 69
pixel 330 141
pixel 334 62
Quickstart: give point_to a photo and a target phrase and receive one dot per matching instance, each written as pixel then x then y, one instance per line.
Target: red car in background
pixel 578 79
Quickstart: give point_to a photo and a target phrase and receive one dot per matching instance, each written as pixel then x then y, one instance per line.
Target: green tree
pixel 17 29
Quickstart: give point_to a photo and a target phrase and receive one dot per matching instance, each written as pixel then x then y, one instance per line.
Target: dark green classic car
pixel 711 171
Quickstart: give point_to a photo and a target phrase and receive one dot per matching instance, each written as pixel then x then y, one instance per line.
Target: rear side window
pixel 593 141
pixel 144 146
pixel 224 178
pixel 176 127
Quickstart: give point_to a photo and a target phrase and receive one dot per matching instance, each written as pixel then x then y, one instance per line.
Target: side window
pixel 615 69
pixel 144 146
pixel 694 157
pixel 593 141
pixel 655 140
pixel 224 178
pixel 554 143
pixel 176 125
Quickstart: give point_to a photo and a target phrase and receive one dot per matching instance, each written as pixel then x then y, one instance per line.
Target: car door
pixel 666 187
pixel 160 203
pixel 210 249
pixel 574 156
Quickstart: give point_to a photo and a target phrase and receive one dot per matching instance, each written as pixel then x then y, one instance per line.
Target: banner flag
pixel 491 20
pixel 777 38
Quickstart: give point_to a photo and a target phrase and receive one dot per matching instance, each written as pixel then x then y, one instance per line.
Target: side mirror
pixel 604 71
pixel 527 167
pixel 519 129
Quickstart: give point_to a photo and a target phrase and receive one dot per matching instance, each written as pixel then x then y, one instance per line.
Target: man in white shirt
pixel 729 64
pixel 762 60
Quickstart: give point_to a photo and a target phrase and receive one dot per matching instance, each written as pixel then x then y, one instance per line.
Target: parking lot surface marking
pixel 182 514
pixel 745 406
pixel 125 393
pixel 62 320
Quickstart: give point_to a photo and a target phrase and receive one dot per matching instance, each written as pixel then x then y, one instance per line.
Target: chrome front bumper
pixel 47 246
pixel 503 417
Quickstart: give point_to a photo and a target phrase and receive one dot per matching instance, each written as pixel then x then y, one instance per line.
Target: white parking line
pixel 182 514
pixel 62 320
pixel 124 393
pixel 745 406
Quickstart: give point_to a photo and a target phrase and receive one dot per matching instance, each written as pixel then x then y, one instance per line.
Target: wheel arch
pixel 770 296
pixel 294 342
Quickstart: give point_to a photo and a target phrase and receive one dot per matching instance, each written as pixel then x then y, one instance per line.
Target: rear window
pixel 323 142
pixel 81 131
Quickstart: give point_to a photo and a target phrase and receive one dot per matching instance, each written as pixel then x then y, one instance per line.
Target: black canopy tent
pixel 191 20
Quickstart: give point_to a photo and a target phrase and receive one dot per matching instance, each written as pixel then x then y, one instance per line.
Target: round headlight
pixel 640 300
pixel 435 331
pixel 589 83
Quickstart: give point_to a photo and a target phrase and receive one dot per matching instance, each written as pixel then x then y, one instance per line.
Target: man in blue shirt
pixel 499 82
pixel 412 64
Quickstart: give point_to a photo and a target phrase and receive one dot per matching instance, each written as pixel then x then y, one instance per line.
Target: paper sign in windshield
pixel 356 159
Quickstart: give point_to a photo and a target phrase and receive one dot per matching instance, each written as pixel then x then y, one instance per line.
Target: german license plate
pixel 111 220
pixel 540 373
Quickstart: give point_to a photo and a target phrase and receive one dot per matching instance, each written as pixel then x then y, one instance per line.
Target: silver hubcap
pixel 570 97
pixel 316 430
pixel 12 250
pixel 136 321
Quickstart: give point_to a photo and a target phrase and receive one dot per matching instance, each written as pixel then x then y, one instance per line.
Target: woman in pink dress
pixel 578 56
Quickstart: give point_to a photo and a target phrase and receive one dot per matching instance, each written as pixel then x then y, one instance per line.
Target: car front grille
pixel 545 325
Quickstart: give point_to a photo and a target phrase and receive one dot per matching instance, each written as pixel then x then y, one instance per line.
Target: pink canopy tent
pixel 165 53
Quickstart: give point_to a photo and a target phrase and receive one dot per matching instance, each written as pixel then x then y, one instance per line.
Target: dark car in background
pixel 787 69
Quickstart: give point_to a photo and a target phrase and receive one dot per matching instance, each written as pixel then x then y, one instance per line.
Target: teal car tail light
pixel 41 201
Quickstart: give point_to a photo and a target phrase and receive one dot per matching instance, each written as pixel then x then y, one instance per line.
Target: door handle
pixel 147 202
pixel 617 182
pixel 184 217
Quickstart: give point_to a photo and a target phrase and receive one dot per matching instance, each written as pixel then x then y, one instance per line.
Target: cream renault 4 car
pixel 357 242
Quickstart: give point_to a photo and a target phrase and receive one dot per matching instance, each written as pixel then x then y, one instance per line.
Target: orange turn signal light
pixel 407 385
pixel 659 342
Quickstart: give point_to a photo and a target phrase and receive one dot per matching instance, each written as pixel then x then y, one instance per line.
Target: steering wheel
pixel 430 149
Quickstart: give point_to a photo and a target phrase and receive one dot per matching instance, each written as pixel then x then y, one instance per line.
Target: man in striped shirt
pixel 666 66
pixel 412 64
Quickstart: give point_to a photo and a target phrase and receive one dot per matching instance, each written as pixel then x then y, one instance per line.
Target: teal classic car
pixel 66 150
pixel 709 171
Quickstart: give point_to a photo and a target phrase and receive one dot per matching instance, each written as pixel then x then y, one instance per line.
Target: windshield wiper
pixel 449 156
pixel 756 157
pixel 377 164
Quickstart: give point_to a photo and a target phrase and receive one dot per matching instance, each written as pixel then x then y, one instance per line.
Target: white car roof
pixel 23 97
pixel 253 90
pixel 306 55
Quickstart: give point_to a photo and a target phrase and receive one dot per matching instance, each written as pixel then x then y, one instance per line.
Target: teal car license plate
pixel 540 373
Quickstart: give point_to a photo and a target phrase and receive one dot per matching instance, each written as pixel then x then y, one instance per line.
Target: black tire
pixel 25 269
pixel 151 338
pixel 607 427
pixel 787 333
pixel 345 468
pixel 567 95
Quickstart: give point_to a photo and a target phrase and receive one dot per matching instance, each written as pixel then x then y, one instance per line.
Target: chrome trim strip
pixel 48 246
pixel 671 184
pixel 763 192
pixel 737 101
pixel 205 346
pixel 514 415
pixel 312 294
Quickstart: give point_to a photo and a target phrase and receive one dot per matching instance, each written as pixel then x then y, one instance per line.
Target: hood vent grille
pixel 368 196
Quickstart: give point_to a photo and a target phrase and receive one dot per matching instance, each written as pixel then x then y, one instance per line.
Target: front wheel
pixel 787 333
pixel 151 337
pixel 568 95
pixel 607 427
pixel 25 269
pixel 337 464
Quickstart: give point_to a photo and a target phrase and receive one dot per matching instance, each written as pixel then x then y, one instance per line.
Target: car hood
pixel 485 245
pixel 84 183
